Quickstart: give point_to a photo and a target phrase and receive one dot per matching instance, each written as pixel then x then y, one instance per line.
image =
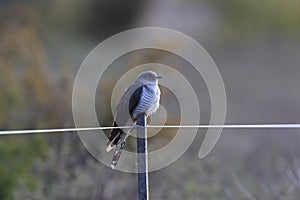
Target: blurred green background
pixel 256 46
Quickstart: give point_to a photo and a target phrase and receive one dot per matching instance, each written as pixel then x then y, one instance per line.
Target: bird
pixel 141 97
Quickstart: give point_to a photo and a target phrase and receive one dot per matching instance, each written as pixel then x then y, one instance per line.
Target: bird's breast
pixel 149 100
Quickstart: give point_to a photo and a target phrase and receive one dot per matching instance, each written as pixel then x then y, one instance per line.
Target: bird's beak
pixel 158 77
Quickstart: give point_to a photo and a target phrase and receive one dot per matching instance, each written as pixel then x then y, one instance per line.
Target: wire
pixel 12 132
pixel 226 126
pixel 238 126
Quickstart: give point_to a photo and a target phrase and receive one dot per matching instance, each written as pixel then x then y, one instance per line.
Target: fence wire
pixel 225 126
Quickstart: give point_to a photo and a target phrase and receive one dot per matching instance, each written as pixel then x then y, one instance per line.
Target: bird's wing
pixel 134 100
pixel 128 103
pixel 124 110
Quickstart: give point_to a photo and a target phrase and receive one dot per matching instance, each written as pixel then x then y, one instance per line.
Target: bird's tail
pixel 117 154
pixel 117 139
pixel 114 137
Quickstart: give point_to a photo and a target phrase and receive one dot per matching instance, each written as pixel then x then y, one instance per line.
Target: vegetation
pixel 259 18
pixel 41 47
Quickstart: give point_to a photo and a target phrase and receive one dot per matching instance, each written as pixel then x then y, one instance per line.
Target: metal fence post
pixel 142 158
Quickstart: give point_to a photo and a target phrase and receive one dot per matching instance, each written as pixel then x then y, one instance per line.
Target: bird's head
pixel 148 77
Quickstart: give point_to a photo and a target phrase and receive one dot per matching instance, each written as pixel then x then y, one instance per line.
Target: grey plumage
pixel 141 97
